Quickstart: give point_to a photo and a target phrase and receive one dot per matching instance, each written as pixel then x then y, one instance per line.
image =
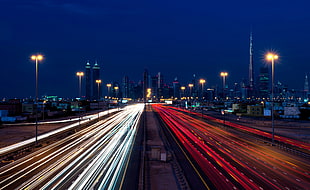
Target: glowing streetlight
pixel 271 57
pixel 116 91
pixel 109 86
pixel 224 75
pixel 183 90
pixel 190 89
pixel 202 81
pixel 37 58
pixel 98 83
pixel 80 75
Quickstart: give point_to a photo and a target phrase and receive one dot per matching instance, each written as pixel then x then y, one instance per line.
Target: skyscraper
pixel 145 83
pixel 96 76
pixel 306 88
pixel 251 68
pixel 306 85
pixel 264 82
pixel 125 87
pixel 88 81
pixel 176 88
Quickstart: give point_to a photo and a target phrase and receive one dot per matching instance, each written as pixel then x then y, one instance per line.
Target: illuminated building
pixel 264 82
pixel 176 88
pixel 251 68
pixel 251 89
pixel 306 88
pixel 88 81
pixel 96 76
pixel 125 87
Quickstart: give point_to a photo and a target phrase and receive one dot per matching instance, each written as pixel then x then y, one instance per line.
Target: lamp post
pixel 202 81
pixel 190 89
pixel 116 94
pixel 80 75
pixel 98 83
pixel 116 91
pixel 183 90
pixel 271 57
pixel 37 58
pixel 224 75
pixel 109 86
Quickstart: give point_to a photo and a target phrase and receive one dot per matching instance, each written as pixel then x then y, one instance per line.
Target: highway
pixel 93 158
pixel 232 158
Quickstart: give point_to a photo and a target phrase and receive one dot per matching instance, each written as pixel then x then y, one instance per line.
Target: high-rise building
pixel 154 86
pixel 251 88
pixel 306 88
pixel 145 83
pixel 96 76
pixel 251 68
pixel 194 88
pixel 306 85
pixel 176 88
pixel 264 82
pixel 125 87
pixel 160 85
pixel 88 81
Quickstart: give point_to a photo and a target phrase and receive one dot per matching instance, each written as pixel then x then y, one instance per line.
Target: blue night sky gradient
pixel 176 38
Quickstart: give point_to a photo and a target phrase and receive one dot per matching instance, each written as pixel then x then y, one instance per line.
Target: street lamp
pixel 116 94
pixel 37 58
pixel 224 75
pixel 202 81
pixel 190 89
pixel 80 75
pixel 109 86
pixel 271 57
pixel 116 91
pixel 98 82
pixel 183 90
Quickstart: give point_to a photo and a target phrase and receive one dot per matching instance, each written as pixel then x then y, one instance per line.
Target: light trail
pixel 279 138
pixel 107 142
pixel 15 146
pixel 241 160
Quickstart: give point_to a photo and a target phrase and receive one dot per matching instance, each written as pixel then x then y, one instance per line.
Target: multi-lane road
pixel 233 159
pixel 93 158
pixel 98 156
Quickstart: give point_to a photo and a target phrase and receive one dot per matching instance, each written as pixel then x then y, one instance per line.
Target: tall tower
pixel 88 81
pixel 125 87
pixel 96 76
pixel 176 88
pixel 145 83
pixel 306 88
pixel 251 69
pixel 306 85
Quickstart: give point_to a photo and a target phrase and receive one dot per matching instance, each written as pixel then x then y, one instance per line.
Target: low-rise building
pixel 255 110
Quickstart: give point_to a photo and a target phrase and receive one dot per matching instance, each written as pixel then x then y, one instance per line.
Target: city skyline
pixel 178 40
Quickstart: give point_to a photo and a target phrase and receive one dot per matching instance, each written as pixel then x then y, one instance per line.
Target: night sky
pixel 178 38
